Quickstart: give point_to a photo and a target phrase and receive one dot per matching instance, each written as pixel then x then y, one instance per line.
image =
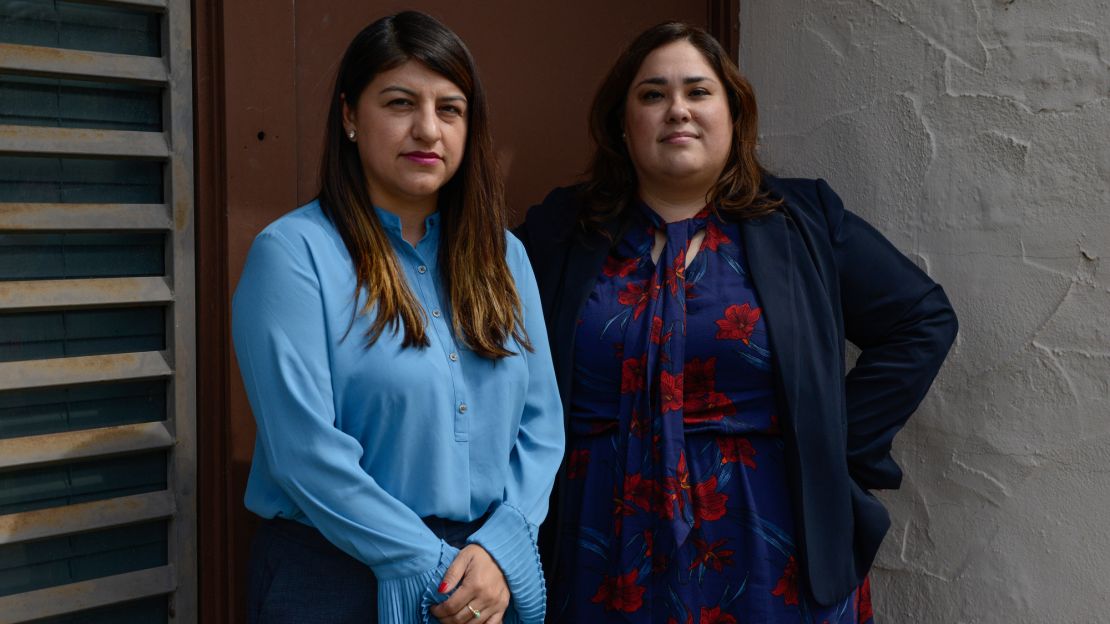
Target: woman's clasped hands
pixel 480 591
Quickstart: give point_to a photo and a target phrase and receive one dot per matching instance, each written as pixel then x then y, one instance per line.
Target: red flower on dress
pixel 670 392
pixel 676 273
pixel 632 374
pixel 689 619
pixel 715 616
pixel 657 335
pixel 787 586
pixel 702 402
pixel 709 556
pixel 621 508
pixel 619 267
pixel 863 602
pixel 577 462
pixel 707 407
pixel 708 503
pixel 737 449
pixel 640 491
pixel 620 593
pixel 714 237
pixel 638 294
pixel 738 323
pixel 675 489
pixel 700 376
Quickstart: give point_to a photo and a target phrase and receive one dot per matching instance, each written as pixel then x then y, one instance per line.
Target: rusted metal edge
pixel 182 547
pixel 75 445
pixel 58 62
pixel 41 140
pixel 97 292
pixel 99 592
pixel 86 369
pixel 139 5
pixel 44 523
pixel 59 217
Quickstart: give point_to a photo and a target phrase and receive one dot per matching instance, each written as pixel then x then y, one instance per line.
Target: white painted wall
pixel 976 135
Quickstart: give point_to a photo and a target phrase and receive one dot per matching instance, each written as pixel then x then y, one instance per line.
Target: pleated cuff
pixel 511 540
pixel 406 600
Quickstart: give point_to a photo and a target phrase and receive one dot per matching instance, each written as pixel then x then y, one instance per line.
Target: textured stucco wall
pixel 976 135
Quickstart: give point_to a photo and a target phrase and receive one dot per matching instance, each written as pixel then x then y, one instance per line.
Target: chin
pixel 683 169
pixel 422 186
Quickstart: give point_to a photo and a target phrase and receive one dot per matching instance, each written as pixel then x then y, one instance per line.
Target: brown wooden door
pixel 264 71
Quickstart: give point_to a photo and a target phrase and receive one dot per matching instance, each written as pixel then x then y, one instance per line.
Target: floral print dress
pixel 679 510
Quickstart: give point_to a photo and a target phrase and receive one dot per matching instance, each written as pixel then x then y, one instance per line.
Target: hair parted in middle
pixel 485 306
pixel 611 183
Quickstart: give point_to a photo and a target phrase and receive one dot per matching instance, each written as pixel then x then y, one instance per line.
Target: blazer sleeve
pixel 510 534
pixel 903 324
pixel 279 334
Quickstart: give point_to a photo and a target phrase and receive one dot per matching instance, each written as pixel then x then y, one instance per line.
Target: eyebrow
pixel 411 93
pixel 659 80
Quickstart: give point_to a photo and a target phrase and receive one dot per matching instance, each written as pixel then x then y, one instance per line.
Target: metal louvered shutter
pixel 97 314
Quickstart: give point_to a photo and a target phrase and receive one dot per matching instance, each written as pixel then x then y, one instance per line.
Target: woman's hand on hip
pixel 482 594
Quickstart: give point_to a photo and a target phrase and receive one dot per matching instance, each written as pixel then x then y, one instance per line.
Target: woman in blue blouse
pixel 391 342
pixel 719 454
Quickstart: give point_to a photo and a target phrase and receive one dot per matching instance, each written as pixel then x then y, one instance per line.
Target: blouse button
pixel 462 408
pixel 454 356
pixel 422 269
pixel 435 313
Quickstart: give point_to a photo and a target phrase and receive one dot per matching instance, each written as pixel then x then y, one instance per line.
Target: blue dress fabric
pixel 680 510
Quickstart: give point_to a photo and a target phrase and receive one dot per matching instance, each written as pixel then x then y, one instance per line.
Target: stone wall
pixel 976 135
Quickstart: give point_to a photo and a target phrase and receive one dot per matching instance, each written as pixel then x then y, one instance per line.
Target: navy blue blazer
pixel 823 276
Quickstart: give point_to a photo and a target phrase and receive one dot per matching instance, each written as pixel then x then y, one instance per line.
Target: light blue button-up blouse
pixel 361 443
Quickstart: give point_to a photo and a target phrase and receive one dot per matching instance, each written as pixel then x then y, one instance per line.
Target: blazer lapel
pixel 804 338
pixel 772 266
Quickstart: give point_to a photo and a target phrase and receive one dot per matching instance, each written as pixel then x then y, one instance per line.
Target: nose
pixel 679 111
pixel 425 125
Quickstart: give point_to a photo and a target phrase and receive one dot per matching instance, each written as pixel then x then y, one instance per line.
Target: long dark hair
pixel 611 178
pixel 485 306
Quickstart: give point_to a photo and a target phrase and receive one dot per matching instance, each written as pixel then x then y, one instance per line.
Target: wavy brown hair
pixel 485 305
pixel 611 183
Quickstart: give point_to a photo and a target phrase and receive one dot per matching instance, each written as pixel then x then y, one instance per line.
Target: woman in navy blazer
pixel 814 274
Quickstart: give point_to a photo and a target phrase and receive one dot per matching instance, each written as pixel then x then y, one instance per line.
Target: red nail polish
pixel 443 587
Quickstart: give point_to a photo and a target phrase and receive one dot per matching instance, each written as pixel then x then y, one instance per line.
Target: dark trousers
pixel 297 576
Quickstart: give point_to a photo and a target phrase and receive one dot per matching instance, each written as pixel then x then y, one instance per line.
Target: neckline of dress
pixel 657 220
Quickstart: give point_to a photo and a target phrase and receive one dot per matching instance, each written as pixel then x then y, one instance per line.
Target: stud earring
pixel 351 134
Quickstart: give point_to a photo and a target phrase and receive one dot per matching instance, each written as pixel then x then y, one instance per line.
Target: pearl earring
pixel 351 134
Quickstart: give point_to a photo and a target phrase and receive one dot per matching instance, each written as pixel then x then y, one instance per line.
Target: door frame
pixel 220 569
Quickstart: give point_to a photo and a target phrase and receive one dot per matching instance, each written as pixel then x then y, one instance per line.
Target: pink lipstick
pixel 423 158
pixel 678 138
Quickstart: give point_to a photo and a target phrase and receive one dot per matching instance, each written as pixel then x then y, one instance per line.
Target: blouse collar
pixel 392 224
